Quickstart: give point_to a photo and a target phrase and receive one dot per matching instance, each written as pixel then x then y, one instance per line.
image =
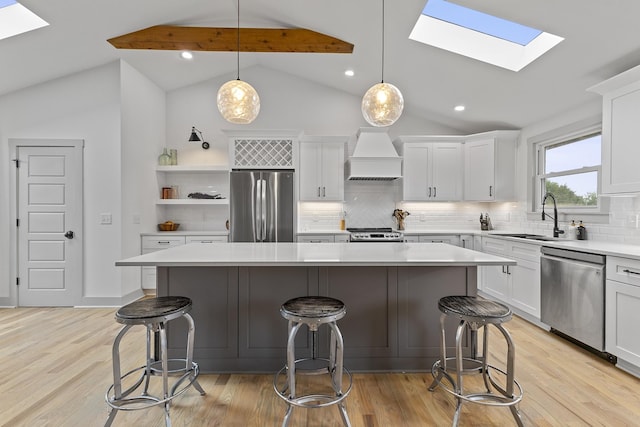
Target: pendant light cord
pixel 382 74
pixel 238 44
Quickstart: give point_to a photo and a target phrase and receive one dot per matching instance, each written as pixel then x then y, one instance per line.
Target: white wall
pixel 143 112
pixel 80 106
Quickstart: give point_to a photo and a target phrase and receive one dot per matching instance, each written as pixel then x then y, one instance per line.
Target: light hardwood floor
pixel 55 365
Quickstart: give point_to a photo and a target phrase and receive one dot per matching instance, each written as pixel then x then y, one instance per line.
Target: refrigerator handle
pixel 257 231
pixel 263 205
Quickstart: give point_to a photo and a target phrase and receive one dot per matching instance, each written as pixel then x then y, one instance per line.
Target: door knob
pixel 69 234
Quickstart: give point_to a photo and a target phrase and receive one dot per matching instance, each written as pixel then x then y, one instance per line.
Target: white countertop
pixel 315 254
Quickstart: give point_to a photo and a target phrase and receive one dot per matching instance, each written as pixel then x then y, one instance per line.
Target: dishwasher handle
pixel 587 257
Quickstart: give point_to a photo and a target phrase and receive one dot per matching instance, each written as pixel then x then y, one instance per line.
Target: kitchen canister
pixel 173 155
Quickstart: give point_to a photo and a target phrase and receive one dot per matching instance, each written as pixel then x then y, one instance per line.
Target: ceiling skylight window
pixel 480 36
pixel 16 19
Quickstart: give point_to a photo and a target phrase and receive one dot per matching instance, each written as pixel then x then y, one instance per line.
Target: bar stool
pixel 313 311
pixel 154 313
pixel 476 312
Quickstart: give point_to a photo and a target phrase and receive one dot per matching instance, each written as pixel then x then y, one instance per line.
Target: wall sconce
pixel 195 138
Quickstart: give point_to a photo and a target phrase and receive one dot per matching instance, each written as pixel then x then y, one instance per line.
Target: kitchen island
pixel 390 290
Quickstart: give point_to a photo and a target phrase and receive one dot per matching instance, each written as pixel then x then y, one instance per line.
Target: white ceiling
pixel 601 40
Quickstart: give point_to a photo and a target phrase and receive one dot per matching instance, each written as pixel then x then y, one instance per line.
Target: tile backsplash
pixel 371 204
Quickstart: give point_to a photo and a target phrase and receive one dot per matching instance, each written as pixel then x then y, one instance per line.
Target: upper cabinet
pixel 432 168
pixel 321 168
pixel 620 132
pixel 489 166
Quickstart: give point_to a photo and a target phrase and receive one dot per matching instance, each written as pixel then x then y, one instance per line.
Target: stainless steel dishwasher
pixel 572 295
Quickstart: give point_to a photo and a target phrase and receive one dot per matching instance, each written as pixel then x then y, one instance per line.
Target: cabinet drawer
pixel 161 242
pixel 318 238
pixel 528 251
pixel 341 238
pixel 494 245
pixel 207 239
pixel 625 270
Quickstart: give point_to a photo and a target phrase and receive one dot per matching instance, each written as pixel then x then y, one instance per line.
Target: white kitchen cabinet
pixel 622 310
pixel 489 166
pixel 452 239
pixel 322 238
pixel 431 171
pixel 157 242
pixel 519 285
pixel 620 132
pixel 321 169
pixel 467 241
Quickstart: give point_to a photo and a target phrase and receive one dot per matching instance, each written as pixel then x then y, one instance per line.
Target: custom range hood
pixel 374 157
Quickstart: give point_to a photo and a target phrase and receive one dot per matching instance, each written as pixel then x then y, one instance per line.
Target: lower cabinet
pixel 519 285
pixel 452 239
pixel 323 238
pixel 622 310
pixel 157 242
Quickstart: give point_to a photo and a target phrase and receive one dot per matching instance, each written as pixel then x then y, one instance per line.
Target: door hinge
pixel 17 281
pixel 17 161
pixel 17 222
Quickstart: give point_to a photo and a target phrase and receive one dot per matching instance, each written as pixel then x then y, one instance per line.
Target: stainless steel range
pixel 375 235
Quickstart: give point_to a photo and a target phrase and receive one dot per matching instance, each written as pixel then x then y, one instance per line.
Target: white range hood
pixel 374 157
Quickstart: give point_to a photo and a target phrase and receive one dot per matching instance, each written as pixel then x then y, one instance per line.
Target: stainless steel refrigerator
pixel 261 206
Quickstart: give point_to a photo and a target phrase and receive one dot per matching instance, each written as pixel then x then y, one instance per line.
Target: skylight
pixel 481 36
pixel 16 19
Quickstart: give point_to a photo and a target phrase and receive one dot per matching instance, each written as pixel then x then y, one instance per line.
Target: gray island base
pixel 390 290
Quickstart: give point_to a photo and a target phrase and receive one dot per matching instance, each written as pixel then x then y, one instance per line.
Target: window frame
pixel 540 147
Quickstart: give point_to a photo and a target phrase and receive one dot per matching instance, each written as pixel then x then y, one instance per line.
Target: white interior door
pixel 49 191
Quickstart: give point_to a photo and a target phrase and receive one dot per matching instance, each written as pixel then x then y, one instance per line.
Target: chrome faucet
pixel 556 231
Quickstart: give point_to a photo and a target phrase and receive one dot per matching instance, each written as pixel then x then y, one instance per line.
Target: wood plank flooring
pixel 55 365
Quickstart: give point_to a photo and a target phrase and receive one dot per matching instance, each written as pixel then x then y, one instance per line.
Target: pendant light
pixel 238 101
pixel 382 105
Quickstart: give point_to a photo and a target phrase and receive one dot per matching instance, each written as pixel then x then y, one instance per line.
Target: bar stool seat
pixel 474 312
pixel 153 313
pixel 313 311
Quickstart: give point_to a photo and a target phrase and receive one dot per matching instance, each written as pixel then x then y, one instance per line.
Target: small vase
pixel 173 154
pixel 164 159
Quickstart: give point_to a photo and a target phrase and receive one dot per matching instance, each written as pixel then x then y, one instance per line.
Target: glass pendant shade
pixel 238 102
pixel 382 105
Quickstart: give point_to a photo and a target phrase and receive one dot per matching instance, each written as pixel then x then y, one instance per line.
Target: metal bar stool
pixel 475 313
pixel 153 313
pixel 313 311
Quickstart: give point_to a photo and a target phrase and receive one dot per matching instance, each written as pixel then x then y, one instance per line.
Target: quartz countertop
pixel 313 254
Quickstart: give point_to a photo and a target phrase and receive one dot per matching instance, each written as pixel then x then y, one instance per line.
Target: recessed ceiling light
pixel 185 54
pixel 349 73
pixel 459 107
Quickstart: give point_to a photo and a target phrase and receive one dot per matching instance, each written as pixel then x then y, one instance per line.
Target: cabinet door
pixel 446 172
pixel 620 148
pixel 525 286
pixel 479 168
pixel 332 172
pixel 309 171
pixel 622 320
pixel 496 282
pixel 415 175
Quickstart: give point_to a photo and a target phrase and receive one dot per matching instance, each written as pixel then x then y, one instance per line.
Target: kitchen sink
pixel 525 236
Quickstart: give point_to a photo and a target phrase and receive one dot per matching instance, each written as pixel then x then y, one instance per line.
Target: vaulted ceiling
pixel 601 39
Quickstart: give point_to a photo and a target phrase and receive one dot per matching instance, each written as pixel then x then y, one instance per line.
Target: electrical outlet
pixel 105 218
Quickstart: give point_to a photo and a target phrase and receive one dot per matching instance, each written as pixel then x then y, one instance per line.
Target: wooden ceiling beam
pixel 170 37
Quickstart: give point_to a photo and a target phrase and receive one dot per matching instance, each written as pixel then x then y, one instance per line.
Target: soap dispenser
pixel 573 229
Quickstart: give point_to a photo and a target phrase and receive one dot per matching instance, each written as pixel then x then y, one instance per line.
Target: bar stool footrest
pixel 487 398
pixel 307 401
pixel 143 401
